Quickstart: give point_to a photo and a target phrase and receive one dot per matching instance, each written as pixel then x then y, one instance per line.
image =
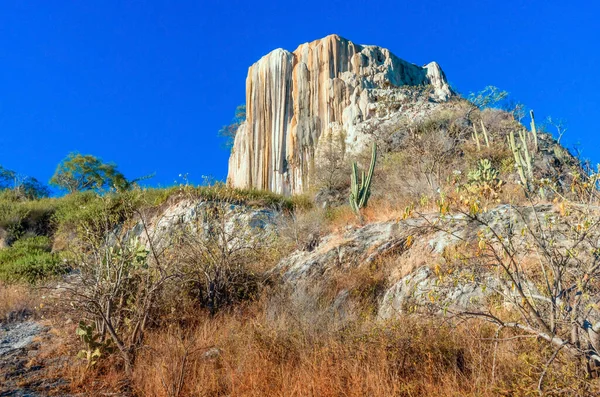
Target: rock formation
pixel 324 87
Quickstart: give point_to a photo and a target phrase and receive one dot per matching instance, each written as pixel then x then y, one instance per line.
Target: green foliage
pixel 79 172
pixel 484 179
pixel 488 97
pixel 19 216
pixel 360 191
pixel 94 347
pixel 60 216
pixel 229 131
pixel 84 208
pixel 522 154
pixel 22 186
pixel 29 259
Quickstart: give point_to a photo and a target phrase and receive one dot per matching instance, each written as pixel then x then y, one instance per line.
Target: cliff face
pixel 323 87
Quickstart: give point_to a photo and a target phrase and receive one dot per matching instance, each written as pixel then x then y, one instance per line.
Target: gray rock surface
pixel 194 215
pixel 18 335
pixel 417 248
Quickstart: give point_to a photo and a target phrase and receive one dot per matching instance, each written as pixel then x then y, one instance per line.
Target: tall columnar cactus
pixel 476 138
pixel 534 131
pixel 485 134
pixel 361 190
pixel 523 158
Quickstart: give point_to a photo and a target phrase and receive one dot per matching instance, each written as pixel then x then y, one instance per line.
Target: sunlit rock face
pixel 323 87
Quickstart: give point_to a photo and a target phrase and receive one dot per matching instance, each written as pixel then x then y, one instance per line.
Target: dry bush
pixel 248 353
pixel 329 175
pixel 221 258
pixel 364 285
pixel 16 301
pixel 423 162
pixel 303 229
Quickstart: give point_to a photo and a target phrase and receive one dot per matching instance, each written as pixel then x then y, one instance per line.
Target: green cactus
pixel 484 180
pixel 94 347
pixel 523 157
pixel 360 191
pixel 534 131
pixel 484 172
pixel 485 134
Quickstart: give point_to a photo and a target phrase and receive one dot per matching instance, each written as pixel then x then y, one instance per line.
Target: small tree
pixel 229 131
pixel 329 171
pixel 487 97
pixel 78 172
pixel 24 186
pixel 119 280
pixel 7 178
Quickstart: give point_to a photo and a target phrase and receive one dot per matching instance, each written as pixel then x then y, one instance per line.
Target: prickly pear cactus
pixel 484 179
pixel 94 347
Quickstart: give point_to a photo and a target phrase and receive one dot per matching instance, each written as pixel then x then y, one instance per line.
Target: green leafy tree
pixel 229 131
pixel 488 97
pixel 24 186
pixel 7 178
pixel 78 172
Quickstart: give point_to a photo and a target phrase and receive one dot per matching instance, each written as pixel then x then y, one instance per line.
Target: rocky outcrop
pixel 196 216
pixel 328 86
pixel 413 251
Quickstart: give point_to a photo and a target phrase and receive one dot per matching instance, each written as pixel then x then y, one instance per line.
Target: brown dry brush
pixel 233 354
pixel 129 284
pixel 546 262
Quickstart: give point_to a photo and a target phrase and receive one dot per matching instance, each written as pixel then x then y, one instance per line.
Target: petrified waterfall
pixel 293 98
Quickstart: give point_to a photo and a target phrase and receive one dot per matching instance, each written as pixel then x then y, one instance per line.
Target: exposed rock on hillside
pixel 330 86
pixel 413 251
pixel 193 215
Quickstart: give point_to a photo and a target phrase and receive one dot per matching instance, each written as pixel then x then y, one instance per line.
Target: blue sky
pixel 147 84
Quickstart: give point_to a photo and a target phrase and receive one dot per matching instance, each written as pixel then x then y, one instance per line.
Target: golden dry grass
pixel 249 353
pixel 16 299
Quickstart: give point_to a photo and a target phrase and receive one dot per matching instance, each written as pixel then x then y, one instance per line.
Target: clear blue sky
pixel 147 84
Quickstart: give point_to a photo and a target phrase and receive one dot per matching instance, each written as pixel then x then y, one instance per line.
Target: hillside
pixel 378 234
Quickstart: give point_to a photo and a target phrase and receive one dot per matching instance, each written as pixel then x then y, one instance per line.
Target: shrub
pixel 219 257
pixel 29 259
pixel 19 216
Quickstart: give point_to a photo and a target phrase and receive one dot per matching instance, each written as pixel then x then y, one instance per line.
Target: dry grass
pixel 248 353
pixel 16 300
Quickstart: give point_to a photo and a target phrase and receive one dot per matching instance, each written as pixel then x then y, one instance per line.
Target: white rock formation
pixel 292 99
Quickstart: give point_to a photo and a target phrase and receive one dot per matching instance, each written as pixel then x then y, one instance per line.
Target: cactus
pixel 484 172
pixel 534 131
pixel 94 348
pixel 476 137
pixel 523 158
pixel 360 192
pixel 485 134
pixel 484 179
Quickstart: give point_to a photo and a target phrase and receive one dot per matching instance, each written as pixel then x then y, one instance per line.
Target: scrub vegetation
pixel 200 311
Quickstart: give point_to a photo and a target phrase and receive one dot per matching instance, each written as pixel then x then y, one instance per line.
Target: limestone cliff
pixel 323 87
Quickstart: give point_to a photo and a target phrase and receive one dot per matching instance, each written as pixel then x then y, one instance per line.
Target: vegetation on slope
pixel 202 314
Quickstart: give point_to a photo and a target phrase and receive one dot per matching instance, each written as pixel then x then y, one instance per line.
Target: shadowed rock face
pixel 323 87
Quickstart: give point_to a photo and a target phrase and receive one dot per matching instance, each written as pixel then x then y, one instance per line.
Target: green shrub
pixel 19 216
pixel 29 259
